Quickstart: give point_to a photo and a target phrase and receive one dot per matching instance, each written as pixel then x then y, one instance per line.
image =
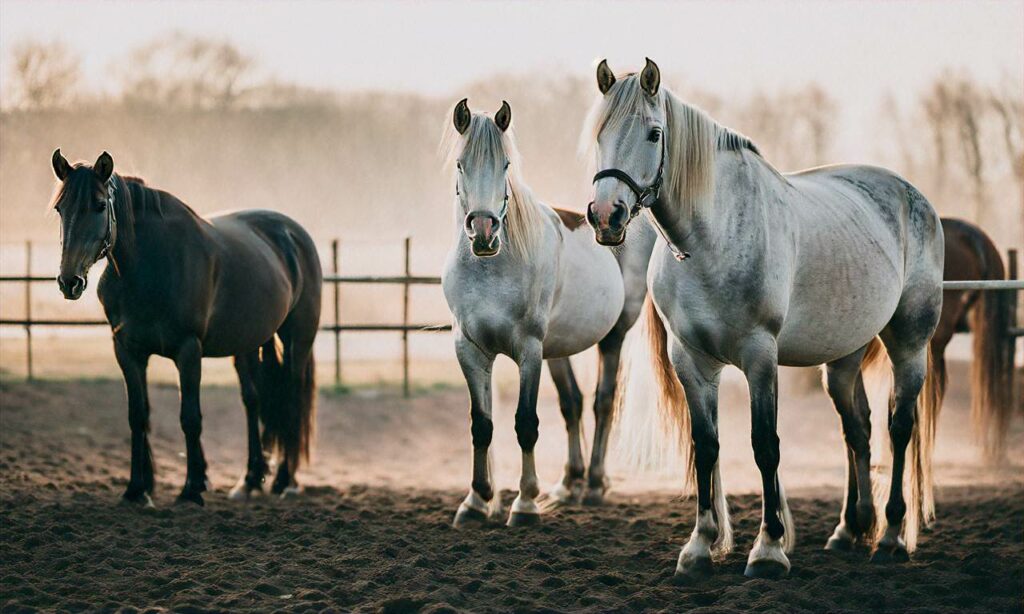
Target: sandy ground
pixel 372 531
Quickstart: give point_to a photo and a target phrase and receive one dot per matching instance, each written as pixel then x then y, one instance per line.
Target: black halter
pixel 645 197
pixel 108 241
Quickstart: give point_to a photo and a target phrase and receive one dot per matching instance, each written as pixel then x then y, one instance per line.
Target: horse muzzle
pixel 71 286
pixel 482 229
pixel 609 221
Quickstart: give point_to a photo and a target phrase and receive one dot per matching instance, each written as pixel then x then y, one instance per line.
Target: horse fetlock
pixel 138 495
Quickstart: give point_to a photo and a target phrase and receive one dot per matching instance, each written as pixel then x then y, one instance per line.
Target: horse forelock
pixel 694 138
pixel 484 142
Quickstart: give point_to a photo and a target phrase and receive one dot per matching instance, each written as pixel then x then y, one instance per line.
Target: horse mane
pixel 694 138
pixel 484 141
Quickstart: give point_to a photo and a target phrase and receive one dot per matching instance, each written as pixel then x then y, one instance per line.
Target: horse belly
pixel 833 313
pixel 589 300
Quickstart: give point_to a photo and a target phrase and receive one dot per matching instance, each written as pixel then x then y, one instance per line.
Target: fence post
pixel 337 316
pixel 28 311
pixel 405 322
pixel 1012 297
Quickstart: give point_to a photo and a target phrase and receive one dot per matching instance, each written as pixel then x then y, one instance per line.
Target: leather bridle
pixel 645 197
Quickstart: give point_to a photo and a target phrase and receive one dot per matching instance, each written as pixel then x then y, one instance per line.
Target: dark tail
pixel 287 391
pixel 992 372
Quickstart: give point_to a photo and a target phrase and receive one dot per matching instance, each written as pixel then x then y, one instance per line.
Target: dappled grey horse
pixel 527 281
pixel 796 269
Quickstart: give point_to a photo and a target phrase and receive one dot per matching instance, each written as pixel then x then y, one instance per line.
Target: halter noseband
pixel 645 197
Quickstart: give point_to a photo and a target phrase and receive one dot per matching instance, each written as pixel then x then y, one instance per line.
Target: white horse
pixel 797 269
pixel 527 281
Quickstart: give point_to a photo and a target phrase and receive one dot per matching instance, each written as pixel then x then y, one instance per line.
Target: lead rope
pixel 677 253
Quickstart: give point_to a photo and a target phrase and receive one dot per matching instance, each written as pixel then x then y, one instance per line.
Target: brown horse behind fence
pixel 244 284
pixel 971 255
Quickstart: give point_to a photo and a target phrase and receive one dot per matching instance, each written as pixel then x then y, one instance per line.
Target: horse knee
pixel 482 431
pixel 527 425
pixel 191 422
pixel 766 449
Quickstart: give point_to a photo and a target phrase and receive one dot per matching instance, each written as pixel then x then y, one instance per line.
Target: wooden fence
pixel 334 279
pixel 1011 286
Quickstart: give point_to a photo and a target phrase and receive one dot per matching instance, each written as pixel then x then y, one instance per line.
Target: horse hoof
pixel 190 496
pixel 468 517
pixel 523 519
pixel 142 500
pixel 890 553
pixel 292 492
pixel 244 492
pixel 693 571
pixel 839 544
pixel 768 569
pixel 593 497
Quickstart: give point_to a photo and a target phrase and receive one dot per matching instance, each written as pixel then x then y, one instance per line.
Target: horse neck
pixel 731 214
pixel 141 211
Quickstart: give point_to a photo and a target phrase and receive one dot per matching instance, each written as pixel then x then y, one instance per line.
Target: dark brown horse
pixel 971 255
pixel 243 284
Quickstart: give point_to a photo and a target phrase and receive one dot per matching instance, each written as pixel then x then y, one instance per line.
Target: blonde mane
pixel 484 141
pixel 693 139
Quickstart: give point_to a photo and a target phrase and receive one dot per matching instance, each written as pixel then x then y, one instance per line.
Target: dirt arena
pixel 372 532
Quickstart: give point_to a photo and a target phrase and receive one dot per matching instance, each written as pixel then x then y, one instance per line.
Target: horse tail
pixel 287 393
pixel 921 499
pixel 992 372
pixel 654 433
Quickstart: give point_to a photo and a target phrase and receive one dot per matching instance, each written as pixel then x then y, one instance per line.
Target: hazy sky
pixel 856 50
pixel 852 47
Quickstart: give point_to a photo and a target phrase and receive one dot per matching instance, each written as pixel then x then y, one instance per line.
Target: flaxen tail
pixel 992 372
pixel 287 393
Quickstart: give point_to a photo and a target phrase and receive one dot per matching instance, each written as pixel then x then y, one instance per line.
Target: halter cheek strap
pixel 108 240
pixel 645 198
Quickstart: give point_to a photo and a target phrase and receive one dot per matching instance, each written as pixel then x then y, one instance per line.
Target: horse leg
pixel 524 509
pixel 604 412
pixel 189 363
pixel 297 397
pixel 481 504
pixel 700 383
pixel 133 367
pixel 252 480
pixel 906 339
pixel 845 386
pixel 570 400
pixel 767 558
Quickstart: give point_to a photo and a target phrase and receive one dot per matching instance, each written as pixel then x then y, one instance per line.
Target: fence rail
pixel 335 279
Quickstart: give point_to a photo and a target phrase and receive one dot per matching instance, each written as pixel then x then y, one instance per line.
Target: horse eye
pixel 100 206
pixel 506 166
pixel 654 135
pixel 458 166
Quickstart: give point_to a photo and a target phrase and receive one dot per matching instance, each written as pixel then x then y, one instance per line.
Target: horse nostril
pixel 620 213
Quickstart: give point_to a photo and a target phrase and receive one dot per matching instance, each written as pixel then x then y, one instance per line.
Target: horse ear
pixel 650 78
pixel 504 116
pixel 462 116
pixel 61 168
pixel 605 77
pixel 104 166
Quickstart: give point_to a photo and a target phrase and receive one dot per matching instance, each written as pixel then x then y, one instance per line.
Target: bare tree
pixel 185 71
pixel 42 76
